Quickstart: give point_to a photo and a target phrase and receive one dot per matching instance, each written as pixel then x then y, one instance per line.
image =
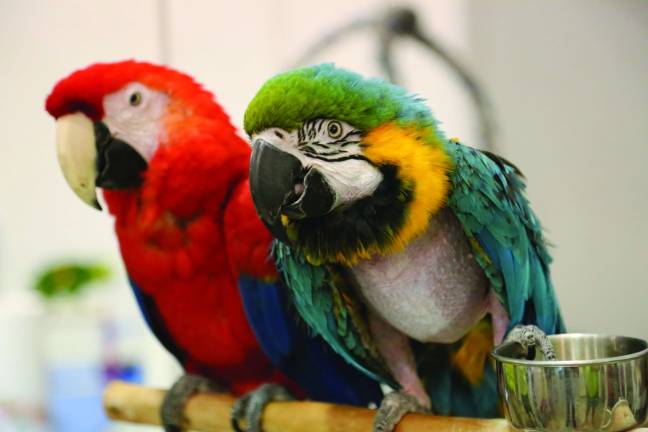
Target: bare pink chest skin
pixel 434 290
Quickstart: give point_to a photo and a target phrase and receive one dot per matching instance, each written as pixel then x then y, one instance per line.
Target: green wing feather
pixel 487 195
pixel 331 311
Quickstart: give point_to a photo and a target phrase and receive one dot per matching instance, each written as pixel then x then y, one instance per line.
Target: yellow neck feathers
pixel 423 165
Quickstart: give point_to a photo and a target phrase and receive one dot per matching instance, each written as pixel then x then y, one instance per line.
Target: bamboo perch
pixel 211 413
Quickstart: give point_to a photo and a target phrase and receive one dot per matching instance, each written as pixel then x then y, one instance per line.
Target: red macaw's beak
pixel 77 155
pixel 91 157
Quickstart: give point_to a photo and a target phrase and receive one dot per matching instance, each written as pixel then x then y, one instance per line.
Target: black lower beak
pixel 316 200
pixel 119 165
pixel 281 185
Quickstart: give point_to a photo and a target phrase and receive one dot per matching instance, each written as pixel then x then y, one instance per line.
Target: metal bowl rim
pixel 563 363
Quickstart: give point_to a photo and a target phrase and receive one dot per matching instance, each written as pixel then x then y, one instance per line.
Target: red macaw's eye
pixel 135 98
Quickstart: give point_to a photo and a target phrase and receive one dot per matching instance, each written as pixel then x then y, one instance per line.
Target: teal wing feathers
pixel 330 311
pixel 487 196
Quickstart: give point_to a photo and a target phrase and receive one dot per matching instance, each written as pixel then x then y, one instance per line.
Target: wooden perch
pixel 211 413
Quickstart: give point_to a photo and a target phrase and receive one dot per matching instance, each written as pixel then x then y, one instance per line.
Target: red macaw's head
pixel 112 118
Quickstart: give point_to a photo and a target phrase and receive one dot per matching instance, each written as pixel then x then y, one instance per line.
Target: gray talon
pixel 171 411
pixel 393 408
pixel 250 406
pixel 528 337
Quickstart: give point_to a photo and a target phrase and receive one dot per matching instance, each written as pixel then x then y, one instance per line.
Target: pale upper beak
pixel 90 157
pixel 77 155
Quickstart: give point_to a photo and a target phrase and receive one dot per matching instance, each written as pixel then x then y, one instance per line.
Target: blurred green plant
pixel 70 279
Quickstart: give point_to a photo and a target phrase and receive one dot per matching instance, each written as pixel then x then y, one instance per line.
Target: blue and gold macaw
pixel 410 254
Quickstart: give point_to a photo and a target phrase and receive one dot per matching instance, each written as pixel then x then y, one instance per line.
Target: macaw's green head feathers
pixel 323 91
pixel 342 166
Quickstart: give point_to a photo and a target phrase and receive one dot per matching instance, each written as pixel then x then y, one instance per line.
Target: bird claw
pixel 249 407
pixel 171 411
pixel 528 337
pixel 393 408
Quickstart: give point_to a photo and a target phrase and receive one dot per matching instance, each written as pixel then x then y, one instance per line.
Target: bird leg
pixel 499 317
pixel 397 352
pixel 528 337
pixel 249 407
pixel 176 398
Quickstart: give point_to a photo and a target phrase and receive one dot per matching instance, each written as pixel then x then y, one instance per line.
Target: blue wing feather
pixel 303 357
pixel 156 323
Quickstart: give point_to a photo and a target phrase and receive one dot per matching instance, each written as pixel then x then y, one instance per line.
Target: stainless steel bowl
pixel 597 383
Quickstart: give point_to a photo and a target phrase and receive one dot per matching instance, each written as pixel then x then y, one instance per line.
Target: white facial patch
pixel 337 156
pixel 134 115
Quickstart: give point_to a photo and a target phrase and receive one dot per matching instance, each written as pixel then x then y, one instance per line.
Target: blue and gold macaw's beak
pixel 282 187
pixel 90 157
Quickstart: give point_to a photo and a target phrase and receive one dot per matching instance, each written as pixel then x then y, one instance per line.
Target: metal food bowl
pixel 597 383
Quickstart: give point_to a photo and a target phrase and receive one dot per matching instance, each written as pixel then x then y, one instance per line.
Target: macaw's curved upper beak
pixel 91 157
pixel 282 186
pixel 77 155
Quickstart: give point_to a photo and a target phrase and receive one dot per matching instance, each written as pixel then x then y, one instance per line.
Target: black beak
pixel 119 165
pixel 281 185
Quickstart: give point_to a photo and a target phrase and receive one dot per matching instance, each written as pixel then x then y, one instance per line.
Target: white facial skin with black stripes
pixel 333 148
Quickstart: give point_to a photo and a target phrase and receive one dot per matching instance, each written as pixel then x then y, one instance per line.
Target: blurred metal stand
pixel 402 22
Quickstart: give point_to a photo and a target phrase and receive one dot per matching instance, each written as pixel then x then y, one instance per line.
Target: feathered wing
pixel 303 357
pixel 331 311
pixel 487 195
pixel 156 324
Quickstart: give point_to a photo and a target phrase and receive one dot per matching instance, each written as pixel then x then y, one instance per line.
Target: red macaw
pixel 174 175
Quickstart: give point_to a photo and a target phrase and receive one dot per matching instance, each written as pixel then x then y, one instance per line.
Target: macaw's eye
pixel 334 129
pixel 135 98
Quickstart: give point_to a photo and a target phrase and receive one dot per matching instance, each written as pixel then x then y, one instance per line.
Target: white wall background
pixel 568 81
pixel 570 84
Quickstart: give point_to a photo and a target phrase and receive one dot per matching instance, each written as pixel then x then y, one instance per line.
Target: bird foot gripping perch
pixel 173 405
pixel 393 408
pixel 250 406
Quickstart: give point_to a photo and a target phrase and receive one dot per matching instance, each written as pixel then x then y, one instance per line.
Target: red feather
pixel 191 229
